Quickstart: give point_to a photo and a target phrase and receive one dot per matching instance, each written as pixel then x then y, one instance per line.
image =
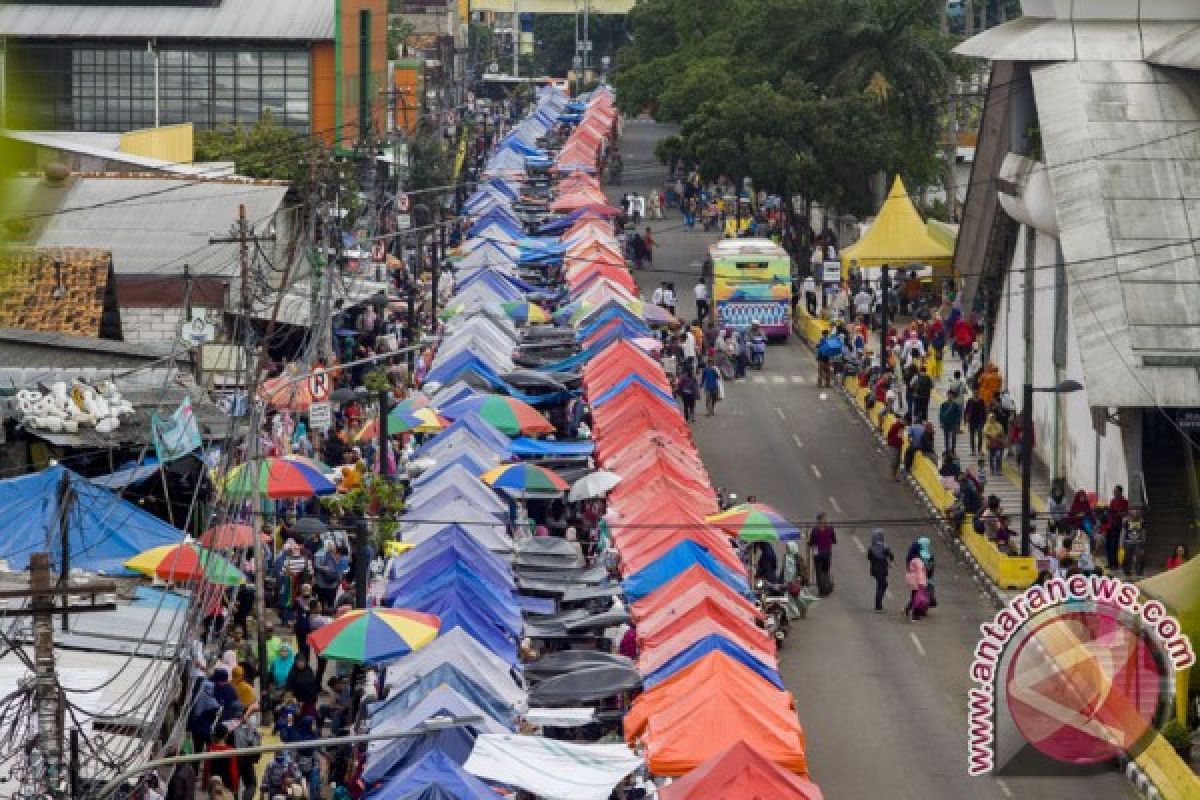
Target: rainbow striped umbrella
pixel 526 313
pixel 524 480
pixel 279 478
pixel 186 563
pixel 374 635
pixel 755 522
pixel 506 414
pixel 421 420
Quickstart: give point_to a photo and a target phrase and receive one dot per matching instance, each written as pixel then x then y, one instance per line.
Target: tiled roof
pixel 28 284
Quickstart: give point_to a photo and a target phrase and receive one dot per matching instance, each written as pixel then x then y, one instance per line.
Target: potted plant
pixel 1179 737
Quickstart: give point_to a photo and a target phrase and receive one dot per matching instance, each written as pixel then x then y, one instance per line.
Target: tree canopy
pixel 802 96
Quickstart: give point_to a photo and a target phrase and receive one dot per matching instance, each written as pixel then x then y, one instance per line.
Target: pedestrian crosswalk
pixel 777 379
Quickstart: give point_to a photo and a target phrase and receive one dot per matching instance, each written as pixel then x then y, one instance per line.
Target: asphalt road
pixel 882 701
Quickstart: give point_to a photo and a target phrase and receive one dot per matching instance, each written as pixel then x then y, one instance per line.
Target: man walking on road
pixel 810 295
pixel 701 292
pixel 710 379
pixel 880 557
pixel 821 539
pixel 949 417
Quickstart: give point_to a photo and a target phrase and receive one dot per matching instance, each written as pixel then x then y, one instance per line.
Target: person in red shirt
pixel 895 440
pixel 1177 558
pixel 226 768
pixel 964 338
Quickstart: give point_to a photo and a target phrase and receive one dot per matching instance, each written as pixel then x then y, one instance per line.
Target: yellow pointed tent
pixel 1179 591
pixel 898 237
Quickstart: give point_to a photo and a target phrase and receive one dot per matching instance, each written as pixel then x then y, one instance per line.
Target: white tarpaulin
pixel 552 769
pixel 560 717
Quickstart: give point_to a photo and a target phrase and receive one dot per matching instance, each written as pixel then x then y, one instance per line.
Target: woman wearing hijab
pixel 203 717
pixel 1081 516
pixel 916 578
pixel 281 666
pixel 303 683
pixel 307 759
pixel 245 691
pixel 224 693
pixel 880 557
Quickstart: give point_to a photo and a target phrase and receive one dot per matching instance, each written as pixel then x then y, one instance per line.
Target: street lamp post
pixel 1066 387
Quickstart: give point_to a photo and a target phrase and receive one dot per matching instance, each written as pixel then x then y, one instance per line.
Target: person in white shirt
pixel 862 305
pixel 668 299
pixel 689 349
pixel 701 292
pixel 810 295
pixel 657 297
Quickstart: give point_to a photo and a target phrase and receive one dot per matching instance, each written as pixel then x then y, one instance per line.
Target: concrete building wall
pixel 1066 437
pixel 144 325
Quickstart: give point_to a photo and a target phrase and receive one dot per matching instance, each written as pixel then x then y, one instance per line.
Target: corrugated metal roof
pixel 1035 39
pixel 289 20
pixel 1121 142
pixel 1183 52
pixel 153 225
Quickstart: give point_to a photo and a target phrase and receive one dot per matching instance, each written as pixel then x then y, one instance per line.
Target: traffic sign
pixel 318 386
pixel 403 221
pixel 320 416
pixel 198 330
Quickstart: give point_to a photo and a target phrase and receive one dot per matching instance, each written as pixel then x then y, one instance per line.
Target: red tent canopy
pixel 574 200
pixel 604 269
pixel 619 353
pixel 690 578
pixel 740 773
pixel 653 659
pixel 652 616
pixel 659 629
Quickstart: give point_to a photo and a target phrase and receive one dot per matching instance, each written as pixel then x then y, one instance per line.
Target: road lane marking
pixel 834 503
pixel 778 379
pixel 779 411
pixel 858 543
pixel 917 643
pixel 797 379
pixel 760 378
pixel 816 471
pixel 1004 787
pixel 796 439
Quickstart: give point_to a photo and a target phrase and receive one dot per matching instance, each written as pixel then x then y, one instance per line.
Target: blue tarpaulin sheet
pixel 104 531
pixel 683 555
pixel 542 448
pixel 404 698
pixel 615 390
pixel 457 743
pixel 711 643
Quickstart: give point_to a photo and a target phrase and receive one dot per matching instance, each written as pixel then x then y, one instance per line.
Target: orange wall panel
pixel 378 83
pixel 324 92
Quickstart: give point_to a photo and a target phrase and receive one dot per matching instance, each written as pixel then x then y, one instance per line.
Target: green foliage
pixel 377 380
pixel 265 150
pixel 555 37
pixel 1177 734
pixel 806 96
pixel 378 498
pixel 399 29
pixel 431 163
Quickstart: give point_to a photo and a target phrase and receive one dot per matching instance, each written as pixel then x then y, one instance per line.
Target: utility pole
pixel 413 296
pixel 44 600
pixel 884 312
pixel 951 147
pixel 243 235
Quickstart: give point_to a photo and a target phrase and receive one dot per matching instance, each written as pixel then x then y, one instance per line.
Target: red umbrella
pixel 230 535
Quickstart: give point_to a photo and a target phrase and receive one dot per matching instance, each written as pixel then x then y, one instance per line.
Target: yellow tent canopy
pixel 897 237
pixel 1179 591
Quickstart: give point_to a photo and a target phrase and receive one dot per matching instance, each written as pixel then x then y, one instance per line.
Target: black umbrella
pixel 532 379
pixel 310 526
pixel 584 686
pixel 607 619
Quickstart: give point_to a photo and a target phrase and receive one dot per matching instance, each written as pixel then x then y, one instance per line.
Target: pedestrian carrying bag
pixel 920 603
pixel 720 389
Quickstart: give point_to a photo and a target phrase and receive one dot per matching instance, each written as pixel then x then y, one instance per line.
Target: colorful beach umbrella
pixel 523 480
pixel 279 479
pixel 236 535
pixel 506 414
pixel 374 635
pixel 526 313
pixel 421 420
pixel 755 522
pixel 186 563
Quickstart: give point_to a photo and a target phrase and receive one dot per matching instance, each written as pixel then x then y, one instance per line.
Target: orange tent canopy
pixel 715 669
pixel 757 643
pixel 640 547
pixel 659 630
pixel 693 576
pixel 740 773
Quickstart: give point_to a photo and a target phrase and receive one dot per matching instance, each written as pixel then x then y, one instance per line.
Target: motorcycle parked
pixel 771 599
pixel 758 346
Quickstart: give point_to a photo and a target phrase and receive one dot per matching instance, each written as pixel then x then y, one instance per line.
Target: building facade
pixel 315 66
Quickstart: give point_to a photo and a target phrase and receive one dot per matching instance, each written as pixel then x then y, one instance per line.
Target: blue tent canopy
pixel 459 610
pixel 430 564
pixel 610 310
pixel 449 496
pixel 429 793
pixel 464 460
pixel 459 578
pixel 103 531
pixel 525 447
pixel 452 538
pixel 404 698
pixel 619 333
pixel 457 743
pixel 465 418
pixel 436 769
pixel 680 557
pixel 623 384
pixel 702 647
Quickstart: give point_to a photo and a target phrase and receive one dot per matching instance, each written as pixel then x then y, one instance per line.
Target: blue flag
pixel 177 435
